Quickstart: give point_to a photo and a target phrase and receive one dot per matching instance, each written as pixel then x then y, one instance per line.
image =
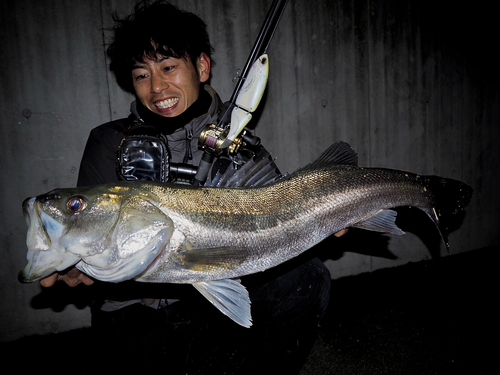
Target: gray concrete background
pixel 409 84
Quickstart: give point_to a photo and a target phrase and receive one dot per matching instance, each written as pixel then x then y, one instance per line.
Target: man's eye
pixel 168 68
pixel 140 76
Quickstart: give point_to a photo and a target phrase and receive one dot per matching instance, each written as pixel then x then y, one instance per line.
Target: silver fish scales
pixel 207 237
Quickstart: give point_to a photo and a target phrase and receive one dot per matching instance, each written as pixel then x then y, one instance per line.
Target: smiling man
pixel 168 86
pixel 162 55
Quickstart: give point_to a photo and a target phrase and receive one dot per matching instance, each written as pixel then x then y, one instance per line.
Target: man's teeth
pixel 167 103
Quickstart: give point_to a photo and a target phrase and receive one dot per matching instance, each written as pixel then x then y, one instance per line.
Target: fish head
pixel 110 232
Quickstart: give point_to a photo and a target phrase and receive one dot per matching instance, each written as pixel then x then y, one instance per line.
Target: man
pixel 163 56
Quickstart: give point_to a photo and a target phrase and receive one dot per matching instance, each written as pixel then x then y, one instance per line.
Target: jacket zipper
pixel 189 152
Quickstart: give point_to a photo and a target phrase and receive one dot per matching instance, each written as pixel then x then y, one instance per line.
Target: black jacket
pixel 98 165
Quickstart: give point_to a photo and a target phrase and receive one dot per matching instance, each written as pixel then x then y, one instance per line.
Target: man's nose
pixel 158 83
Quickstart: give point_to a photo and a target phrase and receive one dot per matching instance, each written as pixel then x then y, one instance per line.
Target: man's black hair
pixel 155 30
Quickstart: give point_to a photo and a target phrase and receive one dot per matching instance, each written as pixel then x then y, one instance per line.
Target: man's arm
pixel 73 277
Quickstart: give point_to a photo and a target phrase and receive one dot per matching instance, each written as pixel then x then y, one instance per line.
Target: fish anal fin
pixel 384 221
pixel 230 297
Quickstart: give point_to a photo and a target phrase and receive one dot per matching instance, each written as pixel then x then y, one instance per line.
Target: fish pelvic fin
pixel 384 221
pixel 230 297
pixel 449 199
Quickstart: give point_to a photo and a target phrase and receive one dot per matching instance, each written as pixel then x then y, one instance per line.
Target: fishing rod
pixel 236 113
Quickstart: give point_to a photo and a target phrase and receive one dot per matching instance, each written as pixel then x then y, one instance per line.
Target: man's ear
pixel 203 66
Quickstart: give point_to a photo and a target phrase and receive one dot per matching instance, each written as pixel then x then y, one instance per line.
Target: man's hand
pixel 73 277
pixel 341 232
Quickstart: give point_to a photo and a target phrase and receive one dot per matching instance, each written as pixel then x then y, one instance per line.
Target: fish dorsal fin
pixel 230 297
pixel 339 153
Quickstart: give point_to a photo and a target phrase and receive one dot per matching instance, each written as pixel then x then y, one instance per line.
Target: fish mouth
pixel 26 277
pixel 35 269
pixel 21 278
pixel 28 209
pixel 44 257
pixel 28 274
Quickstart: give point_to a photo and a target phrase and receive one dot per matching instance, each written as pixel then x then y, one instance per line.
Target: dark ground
pixel 433 317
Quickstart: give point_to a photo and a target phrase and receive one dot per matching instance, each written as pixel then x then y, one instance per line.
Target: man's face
pixel 168 86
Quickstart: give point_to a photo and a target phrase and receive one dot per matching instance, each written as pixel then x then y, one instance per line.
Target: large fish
pixel 208 237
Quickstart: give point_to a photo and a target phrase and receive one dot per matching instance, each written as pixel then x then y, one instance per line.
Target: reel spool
pixel 212 138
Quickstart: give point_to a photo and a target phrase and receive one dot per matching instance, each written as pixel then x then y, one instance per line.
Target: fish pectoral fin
pixel 384 221
pixel 230 297
pixel 212 259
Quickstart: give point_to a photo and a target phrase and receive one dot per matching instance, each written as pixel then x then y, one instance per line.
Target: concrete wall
pixel 409 84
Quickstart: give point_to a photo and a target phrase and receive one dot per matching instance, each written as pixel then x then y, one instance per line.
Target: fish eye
pixel 76 204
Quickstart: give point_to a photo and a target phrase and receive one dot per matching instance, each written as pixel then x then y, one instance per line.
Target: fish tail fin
pixel 450 197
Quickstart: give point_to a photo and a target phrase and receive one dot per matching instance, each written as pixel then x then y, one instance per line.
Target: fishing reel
pixel 212 139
